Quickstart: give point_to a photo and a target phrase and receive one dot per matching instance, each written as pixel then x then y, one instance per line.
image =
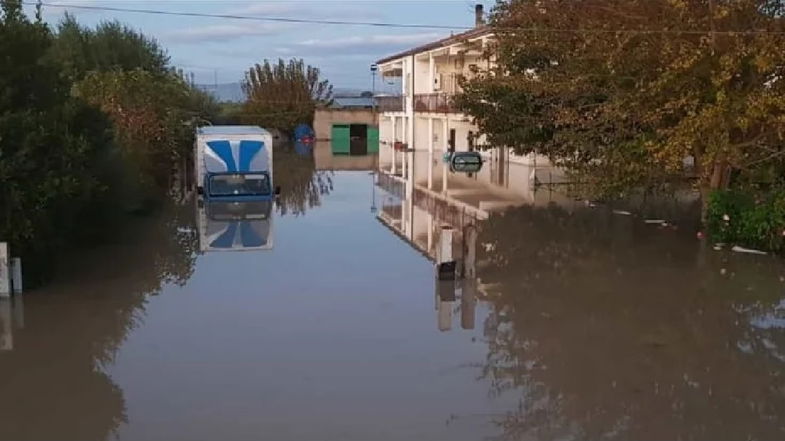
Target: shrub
pixel 748 218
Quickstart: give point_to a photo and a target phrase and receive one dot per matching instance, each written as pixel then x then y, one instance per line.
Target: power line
pixel 636 31
pixel 251 18
pixel 417 26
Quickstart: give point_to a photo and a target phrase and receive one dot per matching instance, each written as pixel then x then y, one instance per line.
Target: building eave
pixel 473 33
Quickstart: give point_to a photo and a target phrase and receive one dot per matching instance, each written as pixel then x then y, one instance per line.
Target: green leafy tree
pixel 110 46
pixel 153 115
pixel 620 92
pixel 283 95
pixel 153 109
pixel 52 146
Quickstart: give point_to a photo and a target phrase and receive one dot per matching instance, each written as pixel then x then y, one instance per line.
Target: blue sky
pixel 205 46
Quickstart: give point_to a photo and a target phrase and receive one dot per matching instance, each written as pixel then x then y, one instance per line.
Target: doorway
pixel 358 139
pixel 355 139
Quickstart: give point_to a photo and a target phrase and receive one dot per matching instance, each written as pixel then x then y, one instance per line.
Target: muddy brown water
pixel 572 323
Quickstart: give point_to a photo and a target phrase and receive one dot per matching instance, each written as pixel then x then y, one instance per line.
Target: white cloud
pixel 372 41
pixel 221 33
pixel 264 9
pixel 307 10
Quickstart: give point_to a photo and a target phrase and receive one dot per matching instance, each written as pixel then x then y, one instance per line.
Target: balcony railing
pixel 389 103
pixel 434 102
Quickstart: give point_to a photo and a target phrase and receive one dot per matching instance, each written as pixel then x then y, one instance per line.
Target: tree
pixel 63 115
pixel 283 95
pixel 620 92
pixel 52 147
pixel 110 46
pixel 153 109
pixel 153 116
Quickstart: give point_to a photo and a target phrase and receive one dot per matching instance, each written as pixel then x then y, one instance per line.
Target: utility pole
pixel 374 68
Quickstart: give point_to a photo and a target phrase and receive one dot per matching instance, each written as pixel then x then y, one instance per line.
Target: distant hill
pixel 343 92
pixel 233 92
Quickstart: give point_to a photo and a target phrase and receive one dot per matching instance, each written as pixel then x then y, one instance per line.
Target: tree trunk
pixel 719 180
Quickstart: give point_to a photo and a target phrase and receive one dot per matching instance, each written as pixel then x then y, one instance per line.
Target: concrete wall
pixel 325 118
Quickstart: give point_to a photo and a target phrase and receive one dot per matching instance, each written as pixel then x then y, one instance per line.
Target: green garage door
pixel 373 139
pixel 340 139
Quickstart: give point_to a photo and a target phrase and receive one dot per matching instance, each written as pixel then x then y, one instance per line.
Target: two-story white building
pixel 420 125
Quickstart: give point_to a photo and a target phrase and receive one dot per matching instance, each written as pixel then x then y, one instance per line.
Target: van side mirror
pixel 277 190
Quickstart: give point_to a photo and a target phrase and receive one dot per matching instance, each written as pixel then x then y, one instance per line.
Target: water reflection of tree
pixel 302 186
pixel 611 329
pixel 53 384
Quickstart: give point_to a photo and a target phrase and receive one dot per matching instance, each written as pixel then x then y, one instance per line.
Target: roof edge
pixel 476 32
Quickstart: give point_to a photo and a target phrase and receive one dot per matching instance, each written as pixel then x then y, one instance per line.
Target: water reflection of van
pixel 235 226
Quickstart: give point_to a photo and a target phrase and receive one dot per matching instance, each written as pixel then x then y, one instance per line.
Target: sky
pixel 226 48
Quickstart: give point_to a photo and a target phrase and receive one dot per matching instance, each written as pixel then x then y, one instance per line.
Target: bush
pixel 748 218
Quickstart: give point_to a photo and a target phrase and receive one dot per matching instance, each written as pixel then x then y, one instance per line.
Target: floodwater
pixel 571 321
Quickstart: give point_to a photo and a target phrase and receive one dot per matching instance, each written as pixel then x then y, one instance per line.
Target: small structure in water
pixel 351 131
pixel 304 133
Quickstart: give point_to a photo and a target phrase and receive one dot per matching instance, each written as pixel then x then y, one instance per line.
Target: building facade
pixel 423 119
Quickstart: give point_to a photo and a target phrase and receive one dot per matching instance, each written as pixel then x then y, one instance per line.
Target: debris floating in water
pixel 739 249
pixel 655 221
pixel 622 212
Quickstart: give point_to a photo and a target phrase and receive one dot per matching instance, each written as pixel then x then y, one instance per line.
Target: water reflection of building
pixel 420 217
pixel 326 160
pixel 419 196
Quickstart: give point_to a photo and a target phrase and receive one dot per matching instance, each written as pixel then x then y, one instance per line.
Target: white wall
pixel 423 79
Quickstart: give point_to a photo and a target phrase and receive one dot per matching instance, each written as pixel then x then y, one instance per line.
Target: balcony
pixel 389 103
pixel 435 103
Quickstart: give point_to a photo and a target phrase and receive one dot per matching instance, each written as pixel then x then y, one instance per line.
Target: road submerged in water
pixel 571 323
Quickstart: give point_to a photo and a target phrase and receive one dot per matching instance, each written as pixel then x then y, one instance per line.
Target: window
pixel 240 185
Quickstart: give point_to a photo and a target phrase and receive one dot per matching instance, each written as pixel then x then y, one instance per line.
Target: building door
pixel 359 139
pixel 451 141
pixel 341 139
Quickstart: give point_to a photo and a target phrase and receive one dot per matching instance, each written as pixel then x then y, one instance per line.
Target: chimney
pixel 479 16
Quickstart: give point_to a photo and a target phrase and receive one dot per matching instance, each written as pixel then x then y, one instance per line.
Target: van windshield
pixel 240 185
